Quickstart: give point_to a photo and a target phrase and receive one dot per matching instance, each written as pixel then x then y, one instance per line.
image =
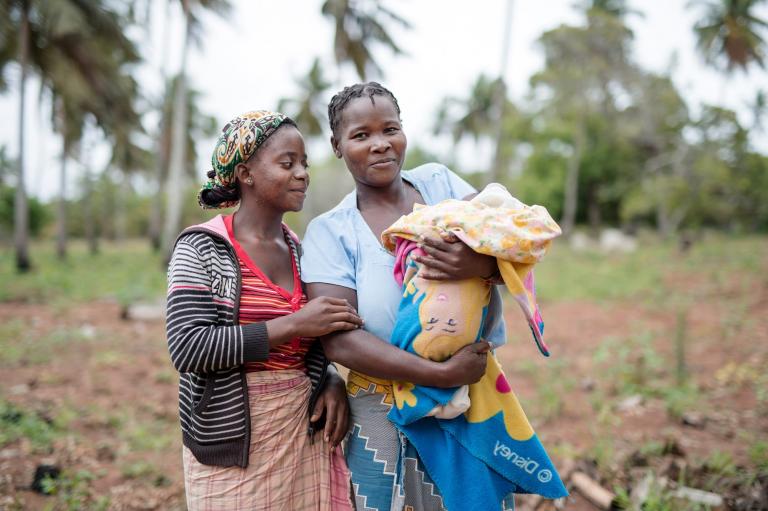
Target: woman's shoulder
pixel 439 182
pixel 428 171
pixel 205 238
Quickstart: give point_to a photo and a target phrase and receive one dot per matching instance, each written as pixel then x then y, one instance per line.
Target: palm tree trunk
pixel 175 186
pixel 90 214
pixel 121 215
pixel 61 217
pixel 572 180
pixel 497 172
pixel 161 158
pixel 21 212
pixel 156 213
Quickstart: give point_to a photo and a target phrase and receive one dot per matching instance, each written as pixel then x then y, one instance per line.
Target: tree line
pixel 598 139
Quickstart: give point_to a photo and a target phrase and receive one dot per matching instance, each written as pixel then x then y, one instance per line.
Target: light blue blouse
pixel 339 248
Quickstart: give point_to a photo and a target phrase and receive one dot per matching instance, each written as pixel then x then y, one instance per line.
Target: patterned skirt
pixel 285 471
pixel 387 474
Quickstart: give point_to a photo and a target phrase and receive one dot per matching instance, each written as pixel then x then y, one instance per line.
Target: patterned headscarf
pixel 238 141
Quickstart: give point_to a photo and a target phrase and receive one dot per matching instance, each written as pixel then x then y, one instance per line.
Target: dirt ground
pixel 108 388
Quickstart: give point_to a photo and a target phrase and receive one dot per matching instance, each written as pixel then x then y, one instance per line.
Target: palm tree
pixel 472 116
pixel 199 125
pixel 480 116
pixel 729 36
pixel 359 25
pixel 308 109
pixel 175 185
pixel 78 49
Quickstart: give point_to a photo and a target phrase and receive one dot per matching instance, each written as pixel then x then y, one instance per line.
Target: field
pixel 657 374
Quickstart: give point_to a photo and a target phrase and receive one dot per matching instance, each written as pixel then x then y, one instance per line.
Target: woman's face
pixel 278 171
pixel 370 138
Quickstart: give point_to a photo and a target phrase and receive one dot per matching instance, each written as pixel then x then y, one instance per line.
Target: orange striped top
pixel 262 300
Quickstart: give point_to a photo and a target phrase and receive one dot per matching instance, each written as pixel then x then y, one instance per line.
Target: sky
pixel 252 57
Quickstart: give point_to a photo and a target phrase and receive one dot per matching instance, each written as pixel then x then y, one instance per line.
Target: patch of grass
pixel 720 466
pixel 566 274
pixel 564 451
pixel 165 376
pixel 19 345
pixel 147 434
pixel 758 454
pixel 603 451
pixel 552 385
pixel 138 470
pixel 146 471
pixel 108 358
pixel 126 273
pixel 17 423
pixel 73 492
pixel 652 449
pixel 681 398
pixel 630 364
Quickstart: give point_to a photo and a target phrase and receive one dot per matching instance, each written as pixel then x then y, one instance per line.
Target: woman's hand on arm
pixel 449 258
pixel 333 403
pixel 318 317
pixel 364 352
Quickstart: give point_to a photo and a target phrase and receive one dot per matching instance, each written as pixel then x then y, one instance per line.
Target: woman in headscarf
pixel 254 384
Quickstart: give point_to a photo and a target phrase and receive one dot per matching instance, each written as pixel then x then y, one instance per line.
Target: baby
pixel 494 450
pixel 437 318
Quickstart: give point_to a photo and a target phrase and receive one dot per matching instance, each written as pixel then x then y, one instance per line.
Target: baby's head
pixel 450 314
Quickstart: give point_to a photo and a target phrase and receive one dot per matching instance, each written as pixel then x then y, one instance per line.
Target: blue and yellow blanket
pixel 476 442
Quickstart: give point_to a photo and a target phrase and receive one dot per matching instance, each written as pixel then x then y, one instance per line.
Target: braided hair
pixel 341 99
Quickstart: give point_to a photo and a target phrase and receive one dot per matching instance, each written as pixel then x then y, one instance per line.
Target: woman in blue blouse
pixel 343 258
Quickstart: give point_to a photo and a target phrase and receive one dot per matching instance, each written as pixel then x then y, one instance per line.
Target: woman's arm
pixel 366 353
pixel 198 343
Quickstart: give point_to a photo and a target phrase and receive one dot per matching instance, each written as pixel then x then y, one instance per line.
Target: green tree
pixel 616 8
pixel 657 120
pixel 586 67
pixel 358 26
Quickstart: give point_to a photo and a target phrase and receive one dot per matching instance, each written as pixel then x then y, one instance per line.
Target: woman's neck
pixel 396 194
pixel 253 222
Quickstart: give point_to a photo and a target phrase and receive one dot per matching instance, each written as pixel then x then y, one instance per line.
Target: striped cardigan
pixel 208 346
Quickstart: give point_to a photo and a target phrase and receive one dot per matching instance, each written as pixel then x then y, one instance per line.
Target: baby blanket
pixel 475 441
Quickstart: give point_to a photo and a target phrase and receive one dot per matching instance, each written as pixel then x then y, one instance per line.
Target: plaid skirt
pixel 285 471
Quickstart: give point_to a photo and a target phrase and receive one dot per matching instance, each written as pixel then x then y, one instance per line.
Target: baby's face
pixel 450 317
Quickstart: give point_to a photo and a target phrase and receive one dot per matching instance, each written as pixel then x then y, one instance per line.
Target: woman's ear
pixel 243 174
pixel 335 145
